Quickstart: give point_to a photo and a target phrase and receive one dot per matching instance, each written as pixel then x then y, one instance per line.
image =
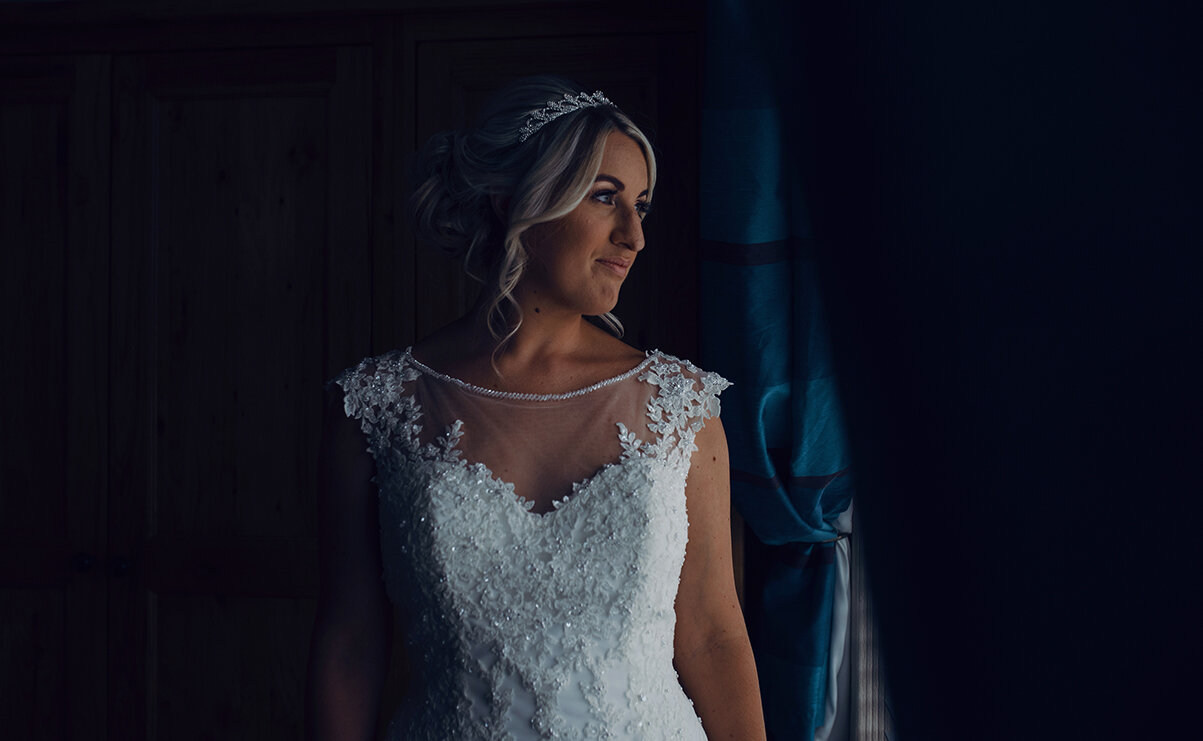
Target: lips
pixel 616 264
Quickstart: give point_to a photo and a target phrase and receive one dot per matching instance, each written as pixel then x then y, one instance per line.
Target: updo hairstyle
pixel 459 174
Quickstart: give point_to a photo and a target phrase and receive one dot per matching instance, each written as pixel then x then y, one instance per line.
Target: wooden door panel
pixel 260 666
pixel 33 435
pixel 241 283
pixel 255 222
pixel 242 236
pixel 33 177
pixel 33 652
pixel 53 242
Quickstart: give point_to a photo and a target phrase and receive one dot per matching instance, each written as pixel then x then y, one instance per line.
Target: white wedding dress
pixel 528 625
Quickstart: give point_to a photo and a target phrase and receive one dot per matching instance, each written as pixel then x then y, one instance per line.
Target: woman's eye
pixel 643 208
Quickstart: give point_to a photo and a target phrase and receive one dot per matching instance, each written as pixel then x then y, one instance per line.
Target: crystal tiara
pixel 557 108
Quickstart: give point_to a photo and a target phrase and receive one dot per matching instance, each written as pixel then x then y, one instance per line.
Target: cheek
pixel 544 242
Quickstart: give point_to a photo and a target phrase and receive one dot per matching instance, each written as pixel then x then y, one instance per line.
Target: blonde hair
pixel 459 176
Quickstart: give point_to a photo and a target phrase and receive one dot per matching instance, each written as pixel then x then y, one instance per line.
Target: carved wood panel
pixel 242 247
pixel 183 270
pixel 53 270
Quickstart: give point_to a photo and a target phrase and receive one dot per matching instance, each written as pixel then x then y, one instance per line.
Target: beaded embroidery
pixel 520 396
pixel 531 626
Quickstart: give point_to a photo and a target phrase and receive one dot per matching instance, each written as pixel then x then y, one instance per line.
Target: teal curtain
pixel 762 326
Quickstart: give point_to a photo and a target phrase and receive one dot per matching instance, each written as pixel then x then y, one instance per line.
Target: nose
pixel 628 232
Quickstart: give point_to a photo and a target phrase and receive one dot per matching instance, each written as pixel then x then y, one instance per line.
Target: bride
pixel 547 506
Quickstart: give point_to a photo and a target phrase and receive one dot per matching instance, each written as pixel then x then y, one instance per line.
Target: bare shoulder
pixel 711 442
pixel 445 346
pixel 607 350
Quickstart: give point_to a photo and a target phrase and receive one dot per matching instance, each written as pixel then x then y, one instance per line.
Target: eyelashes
pixel 643 208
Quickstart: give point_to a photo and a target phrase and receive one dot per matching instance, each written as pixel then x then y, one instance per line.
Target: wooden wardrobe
pixel 201 221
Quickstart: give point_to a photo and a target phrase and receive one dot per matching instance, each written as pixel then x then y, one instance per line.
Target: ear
pixel 501 207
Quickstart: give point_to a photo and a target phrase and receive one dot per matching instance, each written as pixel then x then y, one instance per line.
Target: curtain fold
pixel 762 326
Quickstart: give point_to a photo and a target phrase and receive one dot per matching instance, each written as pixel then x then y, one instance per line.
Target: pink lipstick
pixel 618 265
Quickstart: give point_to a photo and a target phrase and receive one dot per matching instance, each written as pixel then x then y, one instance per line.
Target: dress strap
pixel 374 393
pixel 686 396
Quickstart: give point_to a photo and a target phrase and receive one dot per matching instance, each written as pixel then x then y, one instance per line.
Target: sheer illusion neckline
pixel 520 396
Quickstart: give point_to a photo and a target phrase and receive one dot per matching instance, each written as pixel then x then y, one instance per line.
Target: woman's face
pixel 579 261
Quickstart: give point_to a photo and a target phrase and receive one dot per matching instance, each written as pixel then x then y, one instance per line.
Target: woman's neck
pixel 542 336
pixel 547 354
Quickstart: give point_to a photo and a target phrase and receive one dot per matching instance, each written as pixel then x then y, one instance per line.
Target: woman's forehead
pixel 623 159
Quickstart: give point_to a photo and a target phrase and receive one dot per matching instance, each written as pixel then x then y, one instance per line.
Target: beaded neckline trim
pixel 495 394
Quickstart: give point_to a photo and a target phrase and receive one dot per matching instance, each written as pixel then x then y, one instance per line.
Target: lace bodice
pixel 524 624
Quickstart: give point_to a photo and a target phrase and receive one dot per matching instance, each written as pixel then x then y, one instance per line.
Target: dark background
pixel 199 223
pixel 201 220
pixel 1010 204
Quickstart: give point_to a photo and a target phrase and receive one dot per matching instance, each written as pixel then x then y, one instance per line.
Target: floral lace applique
pixel 372 394
pixel 536 626
pixel 677 412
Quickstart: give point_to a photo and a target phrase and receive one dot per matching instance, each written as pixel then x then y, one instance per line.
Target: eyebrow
pixel 617 183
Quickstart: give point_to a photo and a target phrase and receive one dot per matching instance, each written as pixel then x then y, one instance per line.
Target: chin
pixel 599 303
pixel 604 307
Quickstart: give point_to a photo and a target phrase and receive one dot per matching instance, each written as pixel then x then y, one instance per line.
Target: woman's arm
pixel 352 632
pixel 711 649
